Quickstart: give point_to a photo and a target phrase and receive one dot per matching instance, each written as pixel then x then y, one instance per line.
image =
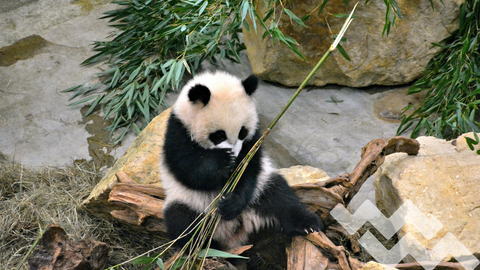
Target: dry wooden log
pixel 346 186
pixel 373 156
pixel 338 252
pixel 137 204
pixel 56 251
pixel 336 230
pixel 239 250
pixel 302 254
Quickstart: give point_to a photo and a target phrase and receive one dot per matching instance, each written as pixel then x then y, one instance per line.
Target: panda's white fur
pixel 229 108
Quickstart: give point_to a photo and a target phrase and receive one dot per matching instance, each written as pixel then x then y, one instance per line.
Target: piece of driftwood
pixel 303 254
pixel 137 204
pixel 57 252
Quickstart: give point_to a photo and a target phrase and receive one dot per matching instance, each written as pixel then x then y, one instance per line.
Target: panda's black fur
pixel 195 167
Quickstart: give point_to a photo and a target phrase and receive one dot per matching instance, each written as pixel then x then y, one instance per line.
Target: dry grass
pixel 32 199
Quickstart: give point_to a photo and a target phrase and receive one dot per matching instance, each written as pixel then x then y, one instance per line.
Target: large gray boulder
pixel 396 59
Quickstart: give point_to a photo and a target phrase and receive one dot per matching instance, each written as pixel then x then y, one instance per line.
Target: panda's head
pixel 218 110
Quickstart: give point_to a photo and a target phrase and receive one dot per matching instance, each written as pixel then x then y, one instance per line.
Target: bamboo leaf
pixel 218 253
pixel 322 6
pixel 294 17
pixel 82 101
pixel 343 52
pixel 142 260
pixel 160 264
pixel 202 8
pixel 94 104
pixel 245 8
pixel 135 128
pixel 71 89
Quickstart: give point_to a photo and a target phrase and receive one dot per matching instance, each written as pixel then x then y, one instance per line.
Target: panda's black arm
pixel 234 203
pixel 192 165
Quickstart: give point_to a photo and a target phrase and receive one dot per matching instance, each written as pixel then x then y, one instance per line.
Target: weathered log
pixel 338 252
pixel 57 252
pixel 137 204
pixel 305 254
pixel 302 254
pixel 346 186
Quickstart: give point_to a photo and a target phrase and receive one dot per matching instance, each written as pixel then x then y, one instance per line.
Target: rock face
pixel 442 181
pixel 376 266
pixel 140 162
pixel 375 59
pixel 303 174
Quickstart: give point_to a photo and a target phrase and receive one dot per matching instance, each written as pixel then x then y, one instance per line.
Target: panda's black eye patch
pixel 243 133
pixel 217 137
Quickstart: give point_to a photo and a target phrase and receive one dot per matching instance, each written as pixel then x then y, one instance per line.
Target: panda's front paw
pixel 231 156
pixel 303 223
pixel 228 161
pixel 230 206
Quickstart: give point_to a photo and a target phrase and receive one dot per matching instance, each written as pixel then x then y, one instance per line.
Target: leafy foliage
pixel 472 142
pixel 157 40
pixel 452 82
pixel 391 13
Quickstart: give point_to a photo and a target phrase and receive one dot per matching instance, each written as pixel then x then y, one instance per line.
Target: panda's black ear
pixel 250 84
pixel 199 93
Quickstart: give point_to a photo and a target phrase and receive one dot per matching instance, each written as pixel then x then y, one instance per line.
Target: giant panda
pixel 213 125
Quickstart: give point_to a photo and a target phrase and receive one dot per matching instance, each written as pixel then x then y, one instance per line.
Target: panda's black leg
pixel 280 201
pixel 178 217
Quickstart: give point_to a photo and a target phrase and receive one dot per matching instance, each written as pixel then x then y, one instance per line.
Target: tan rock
pixel 443 181
pixel 303 174
pixel 140 162
pixel 375 59
pixel 376 266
